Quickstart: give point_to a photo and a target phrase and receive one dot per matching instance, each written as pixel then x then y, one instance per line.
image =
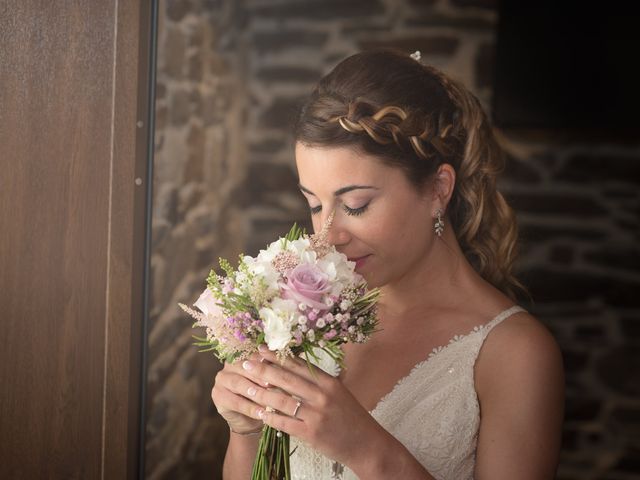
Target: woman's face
pixel 381 221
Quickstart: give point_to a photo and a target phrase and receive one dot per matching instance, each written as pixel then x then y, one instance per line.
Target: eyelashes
pixel 349 211
pixel 355 211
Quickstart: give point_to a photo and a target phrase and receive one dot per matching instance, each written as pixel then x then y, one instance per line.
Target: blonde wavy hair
pixel 414 117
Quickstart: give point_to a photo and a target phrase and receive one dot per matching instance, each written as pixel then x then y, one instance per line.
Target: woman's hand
pixel 229 394
pixel 329 418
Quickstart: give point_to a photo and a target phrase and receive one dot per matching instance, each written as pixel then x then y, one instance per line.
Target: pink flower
pixel 307 284
pixel 330 334
pixel 208 304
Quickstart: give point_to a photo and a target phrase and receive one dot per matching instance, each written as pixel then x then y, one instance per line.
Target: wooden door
pixel 74 110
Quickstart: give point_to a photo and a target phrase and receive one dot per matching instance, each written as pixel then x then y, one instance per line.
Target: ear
pixel 444 181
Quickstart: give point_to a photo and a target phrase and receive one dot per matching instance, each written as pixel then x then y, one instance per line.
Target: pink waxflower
pixel 330 334
pixel 307 284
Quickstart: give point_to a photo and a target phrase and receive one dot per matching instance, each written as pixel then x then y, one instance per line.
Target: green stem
pixel 272 458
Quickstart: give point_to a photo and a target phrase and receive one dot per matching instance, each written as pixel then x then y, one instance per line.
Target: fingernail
pixel 260 414
pixel 262 348
pixel 251 391
pixel 247 365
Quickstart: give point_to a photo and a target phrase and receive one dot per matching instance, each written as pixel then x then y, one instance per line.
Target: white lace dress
pixel 433 411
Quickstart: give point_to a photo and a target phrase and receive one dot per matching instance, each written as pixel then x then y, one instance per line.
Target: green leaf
pixel 207 349
pixel 295 233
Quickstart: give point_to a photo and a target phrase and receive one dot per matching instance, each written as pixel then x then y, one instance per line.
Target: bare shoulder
pixel 520 347
pixel 520 337
pixel 519 380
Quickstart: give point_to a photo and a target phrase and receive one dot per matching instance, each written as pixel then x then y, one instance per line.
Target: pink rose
pixel 307 284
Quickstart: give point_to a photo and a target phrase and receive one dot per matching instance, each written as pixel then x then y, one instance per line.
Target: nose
pixel 338 233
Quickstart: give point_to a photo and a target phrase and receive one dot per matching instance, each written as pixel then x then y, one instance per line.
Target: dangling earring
pixel 438 226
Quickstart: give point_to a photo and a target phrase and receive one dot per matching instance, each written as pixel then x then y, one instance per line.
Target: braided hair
pixel 414 117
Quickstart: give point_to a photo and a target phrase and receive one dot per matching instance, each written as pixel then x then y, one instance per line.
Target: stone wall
pixel 230 75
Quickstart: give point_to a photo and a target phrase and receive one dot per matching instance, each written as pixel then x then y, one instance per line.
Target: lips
pixel 359 260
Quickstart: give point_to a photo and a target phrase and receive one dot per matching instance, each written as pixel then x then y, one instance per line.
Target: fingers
pixel 230 392
pixel 278 400
pixel 284 423
pixel 240 384
pixel 250 378
pixel 297 365
pixel 236 368
pixel 283 378
pixel 226 400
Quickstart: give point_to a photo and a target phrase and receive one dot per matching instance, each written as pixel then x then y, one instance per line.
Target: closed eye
pixel 355 211
pixel 348 210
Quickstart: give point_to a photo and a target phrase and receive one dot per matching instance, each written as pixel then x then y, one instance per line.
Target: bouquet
pixel 300 297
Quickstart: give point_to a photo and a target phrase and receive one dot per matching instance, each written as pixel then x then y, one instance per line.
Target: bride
pixel 460 382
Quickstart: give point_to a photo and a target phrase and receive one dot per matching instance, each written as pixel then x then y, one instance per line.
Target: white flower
pixel 301 248
pixel 282 305
pixel 339 270
pixel 264 270
pixel 241 278
pixel 278 320
pixel 270 253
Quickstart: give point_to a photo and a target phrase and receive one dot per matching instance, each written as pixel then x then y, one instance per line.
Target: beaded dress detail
pixel 433 411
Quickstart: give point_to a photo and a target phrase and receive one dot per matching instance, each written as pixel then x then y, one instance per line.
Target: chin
pixel 373 280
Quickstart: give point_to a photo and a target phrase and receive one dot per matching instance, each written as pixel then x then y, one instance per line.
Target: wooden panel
pixel 71 240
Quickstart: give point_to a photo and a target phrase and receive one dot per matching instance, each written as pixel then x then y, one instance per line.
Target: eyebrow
pixel 342 190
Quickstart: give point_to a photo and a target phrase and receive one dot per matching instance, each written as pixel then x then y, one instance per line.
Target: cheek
pixel 403 234
pixel 380 237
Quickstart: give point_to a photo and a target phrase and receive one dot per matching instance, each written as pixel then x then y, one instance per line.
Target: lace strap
pixel 500 318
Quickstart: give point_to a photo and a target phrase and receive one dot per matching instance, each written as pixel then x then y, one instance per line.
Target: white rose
pixel 278 321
